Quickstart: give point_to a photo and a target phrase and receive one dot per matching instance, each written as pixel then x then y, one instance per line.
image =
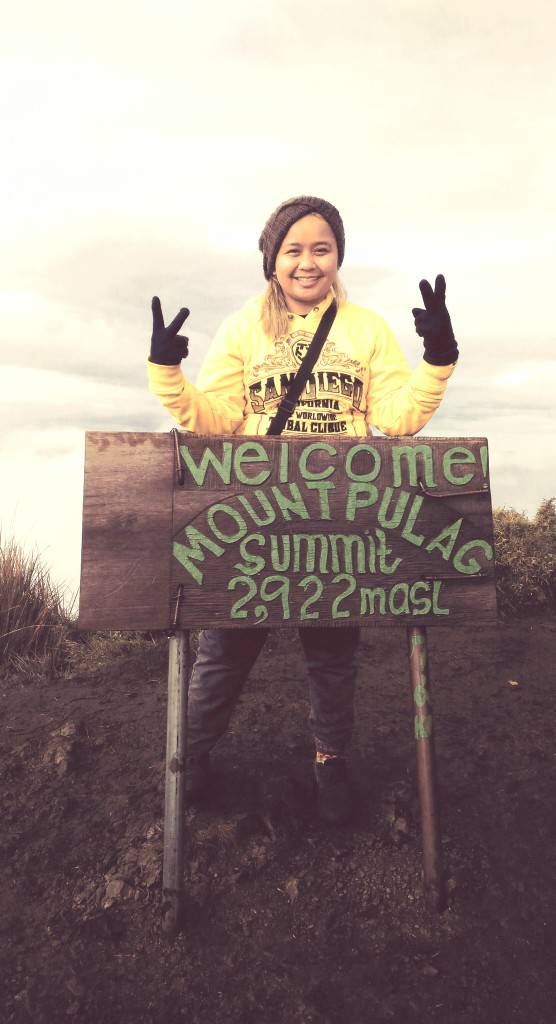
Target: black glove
pixel 434 326
pixel 168 348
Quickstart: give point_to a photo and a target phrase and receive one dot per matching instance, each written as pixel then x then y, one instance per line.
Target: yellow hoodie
pixel 361 379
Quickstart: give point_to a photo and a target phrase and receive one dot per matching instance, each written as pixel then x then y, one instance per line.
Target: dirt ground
pixel 288 921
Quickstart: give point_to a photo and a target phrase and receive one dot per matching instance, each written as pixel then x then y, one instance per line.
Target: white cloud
pixel 148 145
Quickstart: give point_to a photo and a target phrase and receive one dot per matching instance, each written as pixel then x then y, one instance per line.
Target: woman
pixel 360 380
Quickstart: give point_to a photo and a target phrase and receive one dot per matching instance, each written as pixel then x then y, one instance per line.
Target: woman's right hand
pixel 168 347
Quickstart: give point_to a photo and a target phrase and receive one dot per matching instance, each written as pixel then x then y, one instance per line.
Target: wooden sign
pixel 281 532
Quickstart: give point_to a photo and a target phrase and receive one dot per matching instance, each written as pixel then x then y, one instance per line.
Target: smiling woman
pixel 361 379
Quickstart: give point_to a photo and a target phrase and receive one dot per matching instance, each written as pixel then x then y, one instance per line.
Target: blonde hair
pixel 274 311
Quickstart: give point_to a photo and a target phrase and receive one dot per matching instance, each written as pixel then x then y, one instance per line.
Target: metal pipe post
pixel 174 810
pixel 426 768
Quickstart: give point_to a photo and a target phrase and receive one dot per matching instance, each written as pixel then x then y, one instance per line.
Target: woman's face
pixel 307 263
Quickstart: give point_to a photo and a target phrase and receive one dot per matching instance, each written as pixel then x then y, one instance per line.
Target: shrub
pixel 525 552
pixel 33 620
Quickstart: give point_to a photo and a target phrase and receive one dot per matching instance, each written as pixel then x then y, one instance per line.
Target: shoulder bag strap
pixel 290 400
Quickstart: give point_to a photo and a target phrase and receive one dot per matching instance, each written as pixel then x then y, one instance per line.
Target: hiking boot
pixel 197 778
pixel 334 791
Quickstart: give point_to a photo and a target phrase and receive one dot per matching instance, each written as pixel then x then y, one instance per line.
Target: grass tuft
pixel 33 618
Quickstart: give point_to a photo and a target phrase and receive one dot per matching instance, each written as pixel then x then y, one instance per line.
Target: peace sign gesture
pixel 168 348
pixel 434 326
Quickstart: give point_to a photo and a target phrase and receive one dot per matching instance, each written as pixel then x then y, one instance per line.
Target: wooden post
pixel 426 768
pixel 174 813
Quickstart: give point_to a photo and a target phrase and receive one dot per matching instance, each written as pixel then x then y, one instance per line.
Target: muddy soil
pixel 288 921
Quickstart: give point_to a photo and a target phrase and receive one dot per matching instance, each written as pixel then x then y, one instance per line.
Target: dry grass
pixel 525 552
pixel 33 618
pixel 85 653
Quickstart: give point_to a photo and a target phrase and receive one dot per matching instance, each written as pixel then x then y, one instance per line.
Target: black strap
pixel 290 400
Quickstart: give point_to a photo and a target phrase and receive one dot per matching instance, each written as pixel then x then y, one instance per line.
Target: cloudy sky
pixel 146 144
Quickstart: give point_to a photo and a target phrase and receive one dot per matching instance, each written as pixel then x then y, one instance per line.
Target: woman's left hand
pixel 434 326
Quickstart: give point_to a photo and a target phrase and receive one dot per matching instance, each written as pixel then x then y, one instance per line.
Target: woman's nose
pixel 306 260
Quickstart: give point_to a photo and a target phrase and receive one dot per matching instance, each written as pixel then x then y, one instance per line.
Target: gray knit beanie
pixel 280 222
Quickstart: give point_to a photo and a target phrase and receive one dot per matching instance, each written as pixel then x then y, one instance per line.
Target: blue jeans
pixel 226 656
